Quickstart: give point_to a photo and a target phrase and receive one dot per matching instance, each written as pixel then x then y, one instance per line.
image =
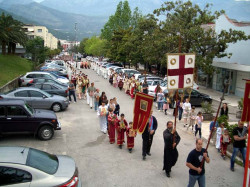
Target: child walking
pixel 220 132
pixel 121 126
pixel 224 142
pixel 192 118
pixel 131 134
pixel 198 120
pixel 166 104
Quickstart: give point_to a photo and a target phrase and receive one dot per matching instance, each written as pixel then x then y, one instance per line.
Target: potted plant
pixel 207 111
pixel 240 107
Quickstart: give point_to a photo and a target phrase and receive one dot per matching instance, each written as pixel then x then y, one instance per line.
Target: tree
pixel 11 33
pixel 184 22
pixel 95 46
pixel 120 20
pixel 38 51
pixel 82 46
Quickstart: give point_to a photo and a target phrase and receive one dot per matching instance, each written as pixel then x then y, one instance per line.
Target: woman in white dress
pixel 219 132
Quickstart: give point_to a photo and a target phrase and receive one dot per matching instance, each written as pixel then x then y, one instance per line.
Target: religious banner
pixel 246 103
pixel 180 70
pixel 246 180
pixel 246 118
pixel 142 108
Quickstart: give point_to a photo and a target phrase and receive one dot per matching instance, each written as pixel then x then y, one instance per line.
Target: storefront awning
pixel 232 66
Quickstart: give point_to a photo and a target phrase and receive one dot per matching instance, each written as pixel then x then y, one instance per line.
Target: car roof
pixel 6 101
pixel 39 72
pixel 9 154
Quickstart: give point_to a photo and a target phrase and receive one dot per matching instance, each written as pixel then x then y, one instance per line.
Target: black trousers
pixel 147 140
pixel 74 95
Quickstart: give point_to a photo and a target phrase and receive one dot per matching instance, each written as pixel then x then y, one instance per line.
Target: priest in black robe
pixel 171 140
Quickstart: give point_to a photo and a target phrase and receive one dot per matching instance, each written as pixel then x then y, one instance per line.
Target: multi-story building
pixel 236 67
pixel 41 31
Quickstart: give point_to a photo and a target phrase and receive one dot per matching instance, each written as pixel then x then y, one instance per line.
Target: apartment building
pixel 236 67
pixel 41 31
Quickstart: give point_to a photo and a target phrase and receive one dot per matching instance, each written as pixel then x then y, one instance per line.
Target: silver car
pixel 28 77
pixel 28 167
pixel 38 98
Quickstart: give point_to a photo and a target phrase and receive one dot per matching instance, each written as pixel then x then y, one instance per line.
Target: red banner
pixel 142 107
pixel 246 104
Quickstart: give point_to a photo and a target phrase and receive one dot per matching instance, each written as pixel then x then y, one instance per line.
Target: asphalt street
pixel 104 164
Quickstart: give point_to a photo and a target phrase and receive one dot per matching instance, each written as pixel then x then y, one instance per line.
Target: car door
pixel 47 88
pixel 195 98
pixel 38 99
pixel 3 117
pixel 24 95
pixel 17 120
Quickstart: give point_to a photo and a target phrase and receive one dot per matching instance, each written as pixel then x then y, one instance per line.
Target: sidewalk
pixel 231 100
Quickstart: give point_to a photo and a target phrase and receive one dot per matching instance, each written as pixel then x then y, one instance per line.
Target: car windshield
pixel 42 161
pixel 164 84
pixel 29 109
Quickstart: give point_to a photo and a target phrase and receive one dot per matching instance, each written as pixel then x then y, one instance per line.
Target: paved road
pixel 103 164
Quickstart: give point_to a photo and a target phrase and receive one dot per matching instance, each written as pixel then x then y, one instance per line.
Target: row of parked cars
pixel 23 110
pixel 30 108
pixel 104 69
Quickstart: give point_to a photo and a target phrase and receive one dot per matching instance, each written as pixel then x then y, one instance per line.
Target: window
pixel 21 94
pixel 31 76
pixel 46 87
pixel 38 86
pixel 2 111
pixel 46 76
pixel 39 30
pixel 35 94
pixel 55 88
pixel 16 111
pixel 10 176
pixel 43 161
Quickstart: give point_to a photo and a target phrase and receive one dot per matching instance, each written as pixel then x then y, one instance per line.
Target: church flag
pixel 142 108
pixel 246 103
pixel 180 70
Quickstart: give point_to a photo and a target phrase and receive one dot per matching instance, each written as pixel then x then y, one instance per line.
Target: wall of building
pixel 240 83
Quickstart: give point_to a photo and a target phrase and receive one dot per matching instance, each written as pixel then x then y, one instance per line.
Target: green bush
pixel 240 104
pixel 230 129
pixel 223 119
pixel 207 107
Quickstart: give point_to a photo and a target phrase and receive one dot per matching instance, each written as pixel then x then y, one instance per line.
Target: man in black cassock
pixel 170 151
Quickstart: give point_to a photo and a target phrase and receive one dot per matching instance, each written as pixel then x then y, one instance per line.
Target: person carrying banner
pixel 147 135
pixel 195 157
pixel 121 126
pixel 170 151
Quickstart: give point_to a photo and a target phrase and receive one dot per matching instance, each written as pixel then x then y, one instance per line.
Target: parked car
pixel 41 80
pixel 53 67
pixel 40 74
pixel 52 88
pixel 38 99
pixel 141 79
pixel 130 72
pixel 17 116
pixel 24 167
pixel 196 98
pixel 58 73
pixel 152 86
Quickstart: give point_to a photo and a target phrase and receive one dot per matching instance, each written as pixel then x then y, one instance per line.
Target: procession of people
pixel 119 129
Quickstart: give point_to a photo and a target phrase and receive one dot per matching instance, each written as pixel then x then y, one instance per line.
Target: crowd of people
pixel 116 125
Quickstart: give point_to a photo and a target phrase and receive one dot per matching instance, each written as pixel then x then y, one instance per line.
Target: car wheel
pixel 56 107
pixel 45 132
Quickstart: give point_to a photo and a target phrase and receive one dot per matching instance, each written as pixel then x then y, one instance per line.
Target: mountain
pixel 237 9
pixel 57 21
pixel 100 7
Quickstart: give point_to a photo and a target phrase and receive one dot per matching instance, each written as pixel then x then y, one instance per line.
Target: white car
pixel 130 72
pixel 40 74
pixel 152 85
